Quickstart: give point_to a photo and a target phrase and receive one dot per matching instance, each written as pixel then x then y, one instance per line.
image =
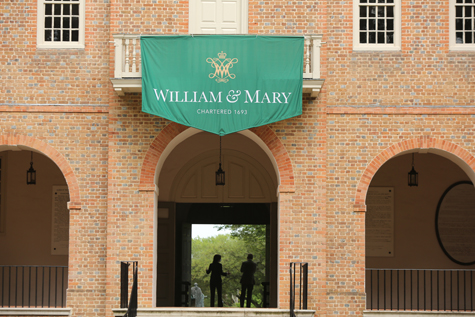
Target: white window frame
pixel 41 43
pixel 452 38
pixel 396 46
pixel 193 23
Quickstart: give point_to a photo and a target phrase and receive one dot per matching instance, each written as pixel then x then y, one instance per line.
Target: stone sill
pixel 23 311
pixel 214 311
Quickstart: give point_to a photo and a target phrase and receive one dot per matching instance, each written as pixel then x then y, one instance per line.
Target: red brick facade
pixel 373 106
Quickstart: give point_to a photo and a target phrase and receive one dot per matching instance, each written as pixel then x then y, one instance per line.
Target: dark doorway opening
pixel 188 214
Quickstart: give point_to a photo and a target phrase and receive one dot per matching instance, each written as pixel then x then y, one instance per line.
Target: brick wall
pixel 423 73
pixel 370 101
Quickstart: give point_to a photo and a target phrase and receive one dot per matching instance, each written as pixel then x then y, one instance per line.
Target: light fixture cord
pixel 219 150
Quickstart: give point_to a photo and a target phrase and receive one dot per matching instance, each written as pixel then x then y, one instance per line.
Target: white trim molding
pixel 464 12
pixel 69 21
pixel 389 14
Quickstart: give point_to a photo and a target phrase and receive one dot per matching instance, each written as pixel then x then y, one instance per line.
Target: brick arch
pixel 172 130
pixel 407 145
pixel 55 156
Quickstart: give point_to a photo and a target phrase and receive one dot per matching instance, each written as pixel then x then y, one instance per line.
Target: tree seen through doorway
pixel 233 248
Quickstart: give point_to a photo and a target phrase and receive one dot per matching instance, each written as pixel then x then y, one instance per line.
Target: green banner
pixel 222 83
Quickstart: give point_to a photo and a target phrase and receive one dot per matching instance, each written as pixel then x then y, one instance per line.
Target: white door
pixel 218 16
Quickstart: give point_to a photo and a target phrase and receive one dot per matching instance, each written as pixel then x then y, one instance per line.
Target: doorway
pixel 188 194
pixel 252 215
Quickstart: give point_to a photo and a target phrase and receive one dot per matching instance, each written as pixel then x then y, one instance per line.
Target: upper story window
pixel 61 23
pixel 377 25
pixel 462 24
pixel 218 16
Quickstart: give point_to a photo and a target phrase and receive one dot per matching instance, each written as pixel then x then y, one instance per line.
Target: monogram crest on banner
pixel 222 66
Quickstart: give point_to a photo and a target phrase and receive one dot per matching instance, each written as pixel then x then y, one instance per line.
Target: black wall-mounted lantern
pixel 220 174
pixel 413 176
pixel 31 173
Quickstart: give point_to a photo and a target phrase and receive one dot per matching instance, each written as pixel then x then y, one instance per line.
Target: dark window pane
pixel 372 1
pixel 66 10
pixel 363 25
pixel 381 1
pixel 75 8
pixel 468 38
pixel 459 24
pixel 372 12
pixel 48 9
pixel 390 12
pixel 66 23
pixel 390 37
pixel 65 35
pixel 75 22
pixel 381 24
pixel 380 37
pixel 363 1
pixel 48 35
pixel 390 1
pixel 75 36
pixel 459 11
pixel 57 35
pixel 57 22
pixel 363 12
pixel 372 37
pixel 363 39
pixel 390 25
pixel 57 9
pixel 459 37
pixel 48 23
pixel 459 1
pixel 468 24
pixel 380 12
pixel 372 24
pixel 468 11
pixel 468 1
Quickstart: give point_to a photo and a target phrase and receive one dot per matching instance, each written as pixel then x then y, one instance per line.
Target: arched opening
pixel 406 266
pixel 187 195
pixel 34 230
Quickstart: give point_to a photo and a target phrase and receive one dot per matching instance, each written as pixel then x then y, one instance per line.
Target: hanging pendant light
pixel 412 176
pixel 220 180
pixel 31 173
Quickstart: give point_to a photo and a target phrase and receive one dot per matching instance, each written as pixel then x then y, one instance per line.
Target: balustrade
pixel 128 64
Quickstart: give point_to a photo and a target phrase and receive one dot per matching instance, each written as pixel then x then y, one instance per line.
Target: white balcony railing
pixel 128 64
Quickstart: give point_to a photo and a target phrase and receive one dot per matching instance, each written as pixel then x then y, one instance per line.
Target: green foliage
pixel 249 233
pixel 233 248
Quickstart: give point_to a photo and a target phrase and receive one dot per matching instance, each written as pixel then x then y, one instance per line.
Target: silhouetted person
pixel 215 282
pixel 248 268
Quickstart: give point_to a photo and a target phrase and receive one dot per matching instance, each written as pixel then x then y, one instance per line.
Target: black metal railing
pixel 298 288
pixel 185 298
pixel 33 286
pixel 124 284
pixel 265 295
pixel 411 289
